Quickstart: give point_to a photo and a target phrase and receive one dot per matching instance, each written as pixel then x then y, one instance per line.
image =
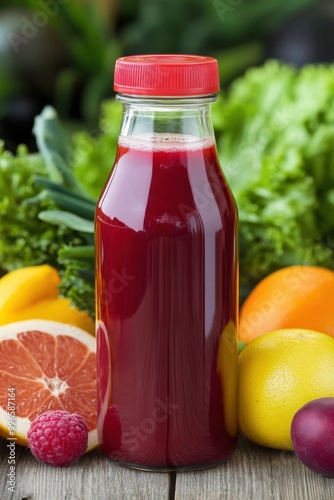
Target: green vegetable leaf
pixel 53 146
pixel 67 219
pixel 78 276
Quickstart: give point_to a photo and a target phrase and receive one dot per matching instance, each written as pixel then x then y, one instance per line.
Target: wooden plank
pixel 93 477
pixel 255 473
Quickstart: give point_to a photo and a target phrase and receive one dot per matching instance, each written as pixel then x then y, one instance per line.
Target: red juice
pixel 166 305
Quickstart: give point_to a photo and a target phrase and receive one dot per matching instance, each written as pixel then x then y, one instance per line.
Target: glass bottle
pixel 167 274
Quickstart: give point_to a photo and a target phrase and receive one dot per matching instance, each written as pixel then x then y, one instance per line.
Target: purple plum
pixel 312 434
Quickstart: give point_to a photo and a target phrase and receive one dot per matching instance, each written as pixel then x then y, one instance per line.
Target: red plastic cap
pixel 166 75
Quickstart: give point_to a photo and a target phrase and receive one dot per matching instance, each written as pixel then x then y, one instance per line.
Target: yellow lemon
pixel 279 372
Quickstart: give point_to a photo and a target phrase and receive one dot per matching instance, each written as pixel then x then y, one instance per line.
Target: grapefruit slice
pixel 46 365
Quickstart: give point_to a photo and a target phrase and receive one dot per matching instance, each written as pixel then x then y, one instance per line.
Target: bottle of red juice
pixel 167 274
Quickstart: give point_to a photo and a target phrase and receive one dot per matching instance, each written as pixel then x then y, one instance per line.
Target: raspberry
pixel 58 437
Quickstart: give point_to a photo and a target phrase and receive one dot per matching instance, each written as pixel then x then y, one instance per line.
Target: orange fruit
pixel 279 372
pixel 293 297
pixel 45 365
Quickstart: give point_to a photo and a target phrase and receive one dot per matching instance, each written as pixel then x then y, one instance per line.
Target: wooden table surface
pixel 252 473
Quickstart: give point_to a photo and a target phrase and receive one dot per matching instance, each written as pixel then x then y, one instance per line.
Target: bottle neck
pixel 143 116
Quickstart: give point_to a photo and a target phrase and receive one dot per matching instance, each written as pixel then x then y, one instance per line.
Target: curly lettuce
pixel 25 240
pixel 275 131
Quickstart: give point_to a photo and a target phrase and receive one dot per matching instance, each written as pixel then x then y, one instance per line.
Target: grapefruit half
pixel 45 365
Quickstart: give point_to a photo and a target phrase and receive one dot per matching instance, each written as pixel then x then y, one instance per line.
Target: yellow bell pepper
pixel 32 293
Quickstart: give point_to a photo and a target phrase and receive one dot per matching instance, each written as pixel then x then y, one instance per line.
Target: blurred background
pixel 62 52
